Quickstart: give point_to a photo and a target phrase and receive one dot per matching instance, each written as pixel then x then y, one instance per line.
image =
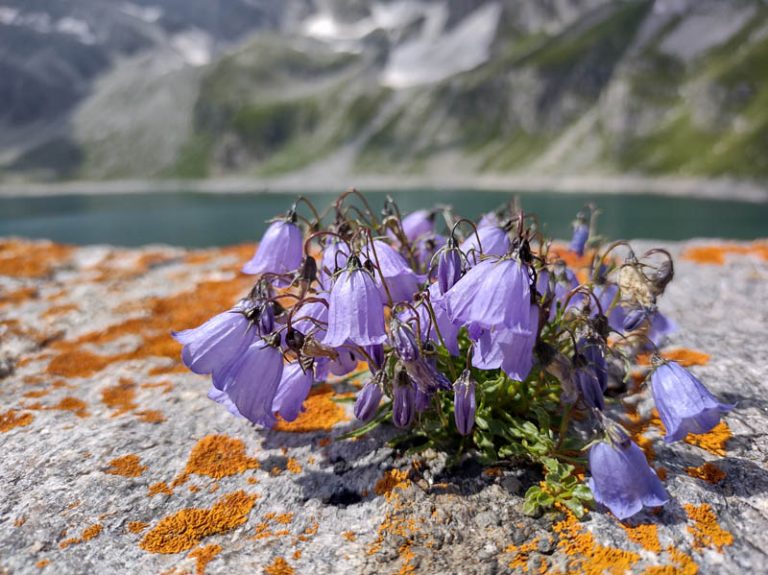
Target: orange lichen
pixel 88 533
pixel 321 413
pixel 165 386
pixel 58 310
pixel 137 526
pixel 18 296
pixel 77 363
pixel 37 393
pixel 150 416
pixel 217 456
pixel 646 535
pixel 203 556
pixel 20 521
pixel 391 480
pixel 43 563
pixel 586 555
pixel 11 420
pixel 705 530
pixel 349 536
pixel 73 404
pixel 23 259
pixel 120 397
pixel 708 472
pixel 492 472
pixel 716 253
pixel 714 441
pixel 682 355
pixel 176 367
pixel 522 553
pixel 126 466
pixel 279 567
pixel 293 466
pixel 186 528
pixel 161 487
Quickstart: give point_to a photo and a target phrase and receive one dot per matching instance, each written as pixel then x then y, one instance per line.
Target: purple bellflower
pixel 448 329
pixel 493 240
pixel 684 404
pixel 464 404
pixel 367 401
pixel 292 390
pixel 212 347
pixel 355 309
pixel 402 281
pixel 403 408
pixel 508 349
pixel 252 380
pixel 580 237
pixel 334 257
pixel 426 247
pixel 280 250
pixel 222 398
pixel 418 223
pixel 403 340
pixel 585 378
pixel 621 478
pixel 449 267
pixel 492 294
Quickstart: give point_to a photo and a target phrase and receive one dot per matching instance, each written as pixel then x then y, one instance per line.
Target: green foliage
pixel 194 159
pixel 560 489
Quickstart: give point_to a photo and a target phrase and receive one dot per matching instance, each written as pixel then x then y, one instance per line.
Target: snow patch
pixel 149 14
pixel 195 46
pixel 436 54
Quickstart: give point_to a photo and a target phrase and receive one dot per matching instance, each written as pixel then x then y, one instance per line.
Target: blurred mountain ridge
pixel 100 90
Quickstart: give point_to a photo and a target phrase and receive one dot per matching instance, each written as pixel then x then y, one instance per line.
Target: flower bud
pixel 403 341
pixel 448 268
pixel 464 405
pixel 367 401
pixel 404 399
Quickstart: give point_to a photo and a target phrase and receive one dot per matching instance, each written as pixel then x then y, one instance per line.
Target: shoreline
pixel 713 189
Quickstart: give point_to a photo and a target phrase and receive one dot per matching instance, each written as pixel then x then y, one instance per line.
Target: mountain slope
pixel 346 87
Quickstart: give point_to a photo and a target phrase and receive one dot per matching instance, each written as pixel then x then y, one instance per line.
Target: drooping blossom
pixel 367 401
pixel 494 241
pixel 622 480
pixel 684 404
pixel 403 408
pixel 213 346
pixel 334 258
pixel 418 223
pixel 292 390
pixel 403 340
pixel 355 309
pixel 429 328
pixel 464 403
pixel 510 349
pixel 426 247
pixel 251 381
pixel 402 282
pixel 580 237
pixel 280 250
pixel 492 294
pixel 585 378
pixel 449 267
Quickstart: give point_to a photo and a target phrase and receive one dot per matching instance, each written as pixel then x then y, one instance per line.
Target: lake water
pixel 199 220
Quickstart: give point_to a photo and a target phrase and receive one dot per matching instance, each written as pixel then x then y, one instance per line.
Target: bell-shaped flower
pixel 425 375
pixel 222 398
pixel 464 403
pixel 355 309
pixel 494 241
pixel 403 340
pixel 508 349
pixel 593 353
pixel 280 251
pixel 402 282
pixel 449 267
pixel 587 383
pixel 422 400
pixel 403 406
pixel 684 404
pixel 252 380
pixel 622 480
pixel 292 390
pixel 311 316
pixel 579 238
pixel 492 294
pixel 448 330
pixel 426 247
pixel 213 346
pixel 418 223
pixel 334 258
pixel 607 295
pixel 367 401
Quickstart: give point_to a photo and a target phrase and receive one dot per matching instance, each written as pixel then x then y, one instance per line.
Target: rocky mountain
pixel 179 88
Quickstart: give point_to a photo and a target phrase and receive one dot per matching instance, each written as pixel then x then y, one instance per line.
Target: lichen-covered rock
pixel 114 460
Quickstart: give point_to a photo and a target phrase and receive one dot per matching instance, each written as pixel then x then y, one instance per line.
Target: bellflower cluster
pixel 485 340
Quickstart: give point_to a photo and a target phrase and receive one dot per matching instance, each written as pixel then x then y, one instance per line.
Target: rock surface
pixel 114 460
